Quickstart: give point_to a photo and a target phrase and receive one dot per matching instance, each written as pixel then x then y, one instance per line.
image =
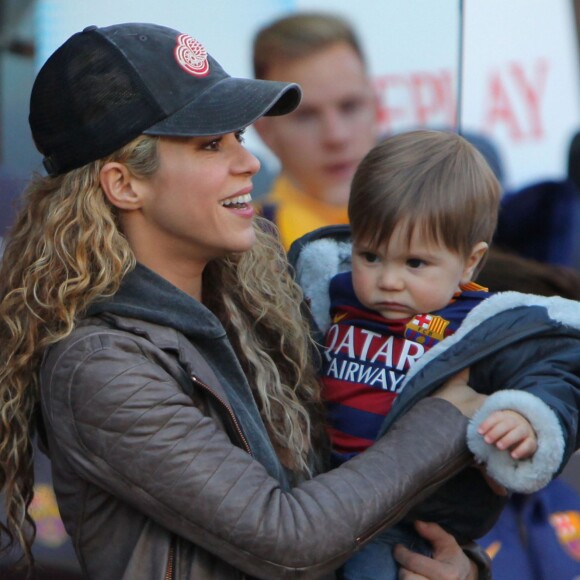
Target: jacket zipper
pixel 234 421
pixel 170 561
pixel 395 515
pixel 230 413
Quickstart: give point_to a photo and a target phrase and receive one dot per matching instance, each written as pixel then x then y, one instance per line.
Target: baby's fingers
pixel 511 438
pixel 525 449
pixel 496 426
pixel 491 421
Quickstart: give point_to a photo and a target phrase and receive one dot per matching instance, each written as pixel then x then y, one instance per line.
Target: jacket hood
pixel 145 295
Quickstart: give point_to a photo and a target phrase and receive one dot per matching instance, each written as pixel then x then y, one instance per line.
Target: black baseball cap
pixel 105 86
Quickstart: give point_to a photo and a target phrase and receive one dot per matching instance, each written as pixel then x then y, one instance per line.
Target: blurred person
pixel 537 535
pixel 321 143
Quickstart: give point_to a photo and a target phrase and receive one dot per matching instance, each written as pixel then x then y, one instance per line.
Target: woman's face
pixel 196 207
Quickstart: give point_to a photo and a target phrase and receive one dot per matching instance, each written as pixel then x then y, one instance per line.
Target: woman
pixel 156 324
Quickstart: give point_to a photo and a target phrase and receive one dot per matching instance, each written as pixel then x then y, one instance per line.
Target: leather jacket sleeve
pixel 122 423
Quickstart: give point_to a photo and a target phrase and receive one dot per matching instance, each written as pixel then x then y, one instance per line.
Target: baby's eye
pixel 370 257
pixel 415 263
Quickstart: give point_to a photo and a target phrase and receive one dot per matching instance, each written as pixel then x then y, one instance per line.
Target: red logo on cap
pixel 191 55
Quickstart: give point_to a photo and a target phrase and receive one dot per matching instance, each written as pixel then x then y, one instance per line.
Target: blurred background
pixel 505 70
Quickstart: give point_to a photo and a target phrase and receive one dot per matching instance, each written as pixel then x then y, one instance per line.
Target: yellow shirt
pixel 296 213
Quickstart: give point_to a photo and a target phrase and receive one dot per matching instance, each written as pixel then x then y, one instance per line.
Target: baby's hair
pixel 433 180
pixel 300 35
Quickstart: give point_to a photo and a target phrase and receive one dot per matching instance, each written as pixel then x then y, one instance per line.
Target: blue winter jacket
pixel 526 347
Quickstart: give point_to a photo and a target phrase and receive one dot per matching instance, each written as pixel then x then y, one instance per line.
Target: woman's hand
pixel 449 562
pixel 458 392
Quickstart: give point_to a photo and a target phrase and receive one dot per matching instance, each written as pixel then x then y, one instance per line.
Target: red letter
pixel 431 96
pixel 389 114
pixel 532 96
pixel 501 110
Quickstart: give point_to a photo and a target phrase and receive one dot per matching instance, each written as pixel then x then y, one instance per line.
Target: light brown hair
pixel 433 180
pixel 298 36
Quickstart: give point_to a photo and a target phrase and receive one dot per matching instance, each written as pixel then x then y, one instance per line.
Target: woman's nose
pixel 251 162
pixel 245 161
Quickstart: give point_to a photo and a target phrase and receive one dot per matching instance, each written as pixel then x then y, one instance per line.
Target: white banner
pixel 520 82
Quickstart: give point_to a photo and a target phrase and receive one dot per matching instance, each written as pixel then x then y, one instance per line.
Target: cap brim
pixel 229 106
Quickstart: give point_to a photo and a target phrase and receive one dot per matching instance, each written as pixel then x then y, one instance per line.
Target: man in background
pixel 321 143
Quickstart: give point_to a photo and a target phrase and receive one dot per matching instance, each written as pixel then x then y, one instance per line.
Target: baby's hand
pixel 509 430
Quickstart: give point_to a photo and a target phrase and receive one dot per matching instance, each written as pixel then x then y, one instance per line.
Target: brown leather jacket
pixel 155 480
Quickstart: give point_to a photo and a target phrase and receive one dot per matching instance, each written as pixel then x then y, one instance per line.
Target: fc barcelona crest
pixel 567 528
pixel 426 329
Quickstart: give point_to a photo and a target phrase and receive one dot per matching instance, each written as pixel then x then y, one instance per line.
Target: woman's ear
pixel 473 260
pixel 117 183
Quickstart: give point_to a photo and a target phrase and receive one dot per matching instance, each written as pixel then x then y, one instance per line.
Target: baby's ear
pixel 477 253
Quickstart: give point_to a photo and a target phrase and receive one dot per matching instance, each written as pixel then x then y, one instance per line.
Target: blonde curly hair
pixel 66 250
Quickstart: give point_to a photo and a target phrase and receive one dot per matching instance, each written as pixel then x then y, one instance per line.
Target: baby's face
pixel 401 279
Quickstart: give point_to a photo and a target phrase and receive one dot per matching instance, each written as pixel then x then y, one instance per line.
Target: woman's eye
pixel 212 145
pixel 240 136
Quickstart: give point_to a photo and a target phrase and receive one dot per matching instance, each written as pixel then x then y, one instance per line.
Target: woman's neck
pixel 185 275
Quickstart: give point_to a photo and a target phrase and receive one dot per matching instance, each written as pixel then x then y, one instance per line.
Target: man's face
pixel 321 143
